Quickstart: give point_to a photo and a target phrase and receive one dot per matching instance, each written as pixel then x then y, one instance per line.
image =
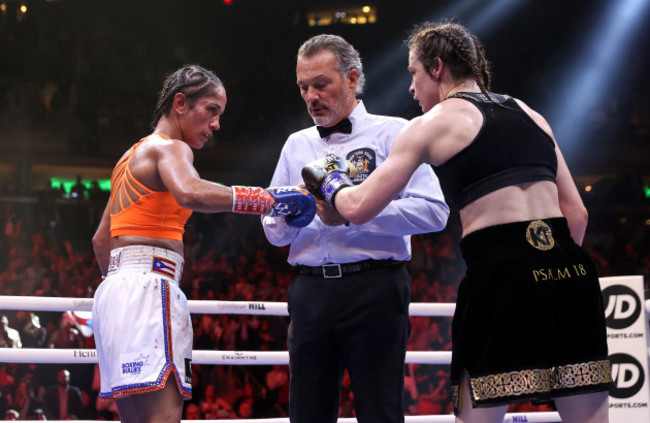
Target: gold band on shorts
pixel 540 381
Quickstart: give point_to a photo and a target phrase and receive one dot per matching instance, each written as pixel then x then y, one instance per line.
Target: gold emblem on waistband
pixel 539 235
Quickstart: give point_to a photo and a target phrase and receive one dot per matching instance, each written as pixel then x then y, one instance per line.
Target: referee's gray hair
pixel 346 56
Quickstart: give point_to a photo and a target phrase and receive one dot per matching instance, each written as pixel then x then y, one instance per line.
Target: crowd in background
pixel 45 251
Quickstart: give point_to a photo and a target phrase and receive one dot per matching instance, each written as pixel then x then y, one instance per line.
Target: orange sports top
pixel 144 212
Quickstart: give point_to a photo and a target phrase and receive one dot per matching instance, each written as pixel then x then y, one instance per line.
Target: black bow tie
pixel 344 127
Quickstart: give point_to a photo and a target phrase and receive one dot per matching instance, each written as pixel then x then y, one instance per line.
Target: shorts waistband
pixel 146 258
pixel 335 270
pixel 540 234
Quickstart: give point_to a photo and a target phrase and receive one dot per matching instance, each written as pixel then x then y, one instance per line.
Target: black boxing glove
pixel 325 177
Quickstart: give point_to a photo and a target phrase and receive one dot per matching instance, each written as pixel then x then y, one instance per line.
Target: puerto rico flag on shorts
pixel 164 266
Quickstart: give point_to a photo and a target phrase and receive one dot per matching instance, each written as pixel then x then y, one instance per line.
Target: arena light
pixel 352 15
pixel 21 12
pixel 68 183
pixel 587 83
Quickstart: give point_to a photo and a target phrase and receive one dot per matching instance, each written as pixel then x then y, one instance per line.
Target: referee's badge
pixel 539 235
pixel 365 160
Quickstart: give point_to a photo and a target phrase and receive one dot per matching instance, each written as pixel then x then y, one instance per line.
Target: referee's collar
pixel 357 116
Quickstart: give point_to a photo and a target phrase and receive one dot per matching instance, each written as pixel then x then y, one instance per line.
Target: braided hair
pixel 461 51
pixel 193 81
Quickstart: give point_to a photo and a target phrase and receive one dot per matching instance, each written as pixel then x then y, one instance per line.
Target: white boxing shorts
pixel 142 325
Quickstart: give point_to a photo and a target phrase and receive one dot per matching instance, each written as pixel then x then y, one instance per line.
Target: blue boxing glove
pixel 325 177
pixel 295 204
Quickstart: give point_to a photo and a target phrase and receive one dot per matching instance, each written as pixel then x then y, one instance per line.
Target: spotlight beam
pixel 389 72
pixel 585 85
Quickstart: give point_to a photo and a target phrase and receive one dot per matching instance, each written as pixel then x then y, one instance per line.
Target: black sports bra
pixel 509 149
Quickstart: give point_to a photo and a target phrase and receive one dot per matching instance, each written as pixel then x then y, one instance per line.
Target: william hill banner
pixel 627 335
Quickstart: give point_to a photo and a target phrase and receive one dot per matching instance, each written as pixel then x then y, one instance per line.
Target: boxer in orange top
pixel 143 329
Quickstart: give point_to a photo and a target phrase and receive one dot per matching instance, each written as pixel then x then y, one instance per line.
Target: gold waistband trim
pixel 539 381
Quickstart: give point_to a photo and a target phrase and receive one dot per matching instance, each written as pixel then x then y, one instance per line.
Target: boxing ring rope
pixel 211 357
pixel 267 308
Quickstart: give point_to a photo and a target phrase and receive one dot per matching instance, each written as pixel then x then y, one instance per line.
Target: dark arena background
pixel 79 80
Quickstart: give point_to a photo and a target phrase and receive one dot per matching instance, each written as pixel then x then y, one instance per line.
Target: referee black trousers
pixel 358 322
